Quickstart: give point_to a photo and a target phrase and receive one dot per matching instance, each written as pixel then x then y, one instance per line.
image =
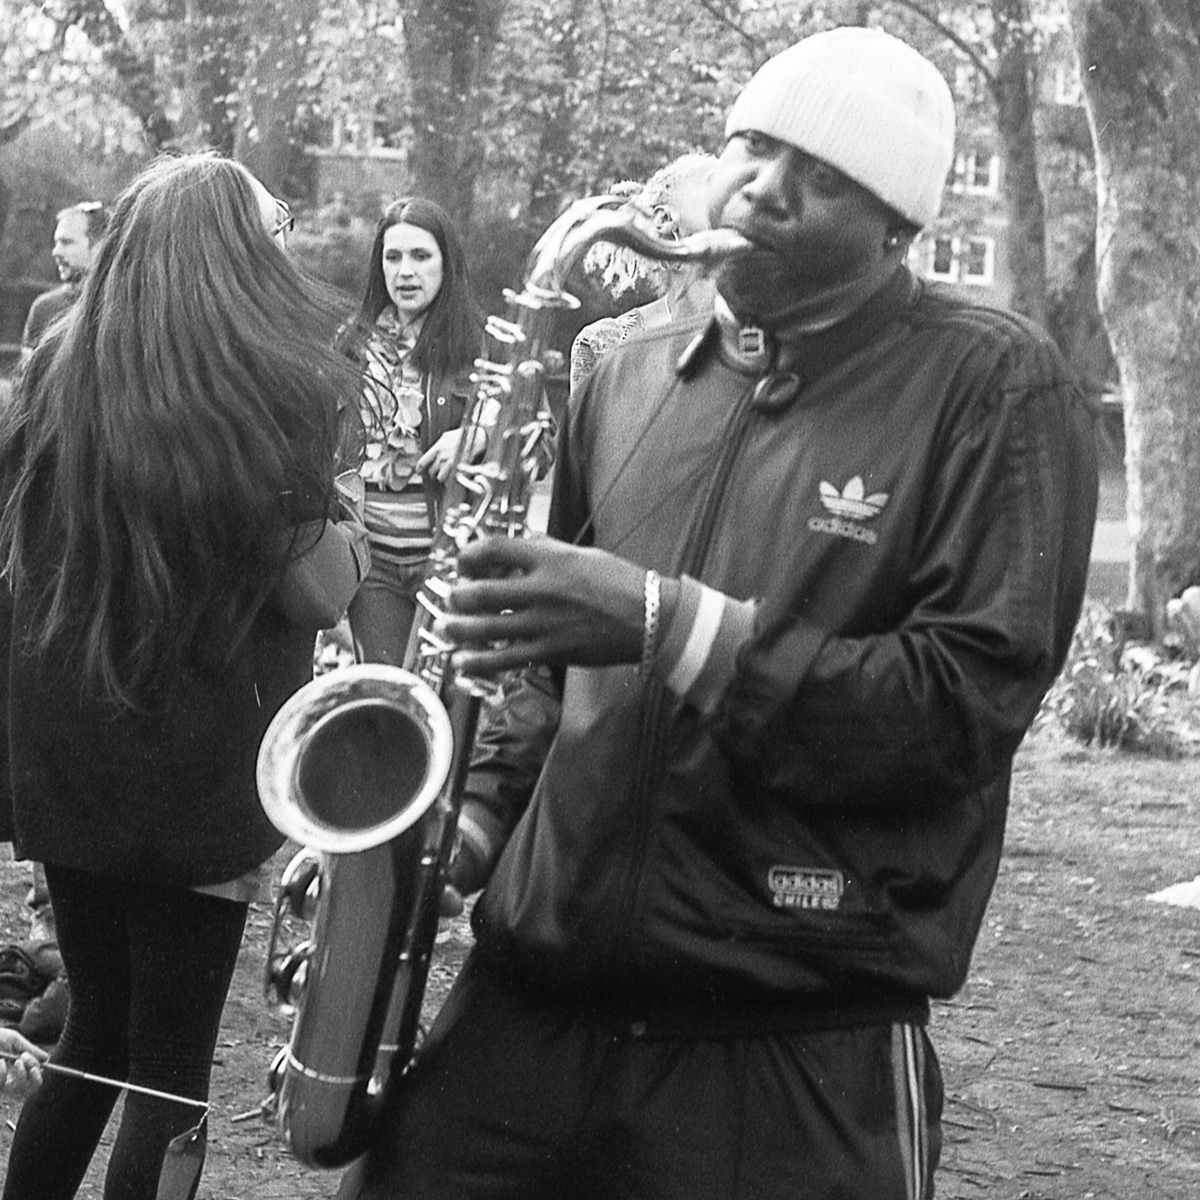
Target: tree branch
pixel 979 63
pixel 754 44
pixel 136 74
pixel 11 129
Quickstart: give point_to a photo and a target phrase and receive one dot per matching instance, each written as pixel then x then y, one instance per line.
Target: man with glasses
pixel 77 231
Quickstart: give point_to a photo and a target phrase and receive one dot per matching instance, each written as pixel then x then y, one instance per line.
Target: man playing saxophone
pixel 813 562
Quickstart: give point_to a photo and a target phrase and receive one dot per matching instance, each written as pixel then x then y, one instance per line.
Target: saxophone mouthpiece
pixel 711 247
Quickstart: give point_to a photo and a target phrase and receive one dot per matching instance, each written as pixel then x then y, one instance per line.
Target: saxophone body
pixel 354 767
pixel 364 766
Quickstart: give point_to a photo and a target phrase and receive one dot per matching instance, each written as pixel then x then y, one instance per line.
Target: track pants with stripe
pixel 515 1099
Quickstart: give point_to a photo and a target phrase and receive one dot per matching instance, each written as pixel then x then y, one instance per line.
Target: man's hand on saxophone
pixel 539 600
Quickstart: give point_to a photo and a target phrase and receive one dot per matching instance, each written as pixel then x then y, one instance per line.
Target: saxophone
pixel 364 766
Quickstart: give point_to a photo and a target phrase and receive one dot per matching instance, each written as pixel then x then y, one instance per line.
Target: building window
pixel 943 262
pixel 968 260
pixel 977 174
pixel 977 259
pixel 984 172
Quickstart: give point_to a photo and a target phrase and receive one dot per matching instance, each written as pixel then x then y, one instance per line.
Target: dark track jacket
pixel 915 524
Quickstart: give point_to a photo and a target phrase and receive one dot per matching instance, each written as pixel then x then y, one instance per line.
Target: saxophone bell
pixel 354 758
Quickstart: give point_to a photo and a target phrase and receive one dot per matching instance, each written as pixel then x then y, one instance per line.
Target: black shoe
pixel 20 982
pixel 46 1015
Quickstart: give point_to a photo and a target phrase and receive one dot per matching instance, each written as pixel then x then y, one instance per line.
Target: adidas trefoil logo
pixel 851 502
pixel 849 506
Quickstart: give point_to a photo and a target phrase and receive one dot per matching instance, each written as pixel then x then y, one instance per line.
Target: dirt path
pixel 1072 1057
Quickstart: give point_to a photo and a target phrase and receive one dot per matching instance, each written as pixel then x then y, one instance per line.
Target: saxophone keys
pixel 300 885
pixel 287 975
pixel 432 644
pixel 509 333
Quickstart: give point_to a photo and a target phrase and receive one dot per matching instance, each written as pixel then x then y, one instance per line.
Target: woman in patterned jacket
pixel 422 331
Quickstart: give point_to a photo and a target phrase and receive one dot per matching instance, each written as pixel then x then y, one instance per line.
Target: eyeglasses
pixel 285 221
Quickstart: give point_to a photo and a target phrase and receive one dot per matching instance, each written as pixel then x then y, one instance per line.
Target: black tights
pixel 149 969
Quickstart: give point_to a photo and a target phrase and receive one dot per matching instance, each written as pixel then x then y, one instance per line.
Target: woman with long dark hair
pixel 422 330
pixel 171 538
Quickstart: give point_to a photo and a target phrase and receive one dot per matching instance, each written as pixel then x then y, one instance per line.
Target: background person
pixel 77 231
pixel 423 331
pixel 675 199
pixel 832 548
pixel 172 538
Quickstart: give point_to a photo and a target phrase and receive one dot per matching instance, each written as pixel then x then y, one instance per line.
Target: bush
pixel 1120 695
pixel 334 245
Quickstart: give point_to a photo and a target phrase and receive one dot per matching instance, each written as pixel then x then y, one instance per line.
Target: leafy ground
pixel 1071 1057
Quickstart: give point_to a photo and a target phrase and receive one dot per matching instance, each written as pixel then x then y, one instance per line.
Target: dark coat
pixel 167 796
pixel 45 310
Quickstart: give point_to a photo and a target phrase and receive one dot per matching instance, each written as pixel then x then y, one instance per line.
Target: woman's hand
pixel 438 460
pixel 20 1063
pixel 539 600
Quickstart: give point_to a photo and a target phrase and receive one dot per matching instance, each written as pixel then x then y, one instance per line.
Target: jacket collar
pixel 786 362
pixel 811 355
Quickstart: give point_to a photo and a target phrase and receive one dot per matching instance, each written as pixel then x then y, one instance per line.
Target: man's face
pixel 815 229
pixel 72 247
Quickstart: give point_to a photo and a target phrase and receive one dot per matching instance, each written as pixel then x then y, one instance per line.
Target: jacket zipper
pixel 653 724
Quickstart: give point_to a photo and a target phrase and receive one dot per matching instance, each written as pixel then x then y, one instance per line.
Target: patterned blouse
pixel 394 405
pixel 594 341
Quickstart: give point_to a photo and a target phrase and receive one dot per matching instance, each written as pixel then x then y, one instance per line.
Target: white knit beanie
pixel 865 102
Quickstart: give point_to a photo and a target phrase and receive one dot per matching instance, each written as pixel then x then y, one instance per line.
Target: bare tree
pixel 1140 63
pixel 208 40
pixel 559 102
pixel 277 35
pixel 10 129
pixel 137 82
pixel 1007 79
pixel 447 46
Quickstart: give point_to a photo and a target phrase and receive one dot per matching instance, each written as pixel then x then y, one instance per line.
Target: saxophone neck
pixel 612 219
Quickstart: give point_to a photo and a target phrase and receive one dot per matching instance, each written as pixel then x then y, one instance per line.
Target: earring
pixel 891 241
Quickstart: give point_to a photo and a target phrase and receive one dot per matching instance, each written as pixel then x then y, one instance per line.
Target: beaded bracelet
pixel 653 594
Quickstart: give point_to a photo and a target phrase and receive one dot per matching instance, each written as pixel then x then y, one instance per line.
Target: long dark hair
pixel 166 440
pixel 449 340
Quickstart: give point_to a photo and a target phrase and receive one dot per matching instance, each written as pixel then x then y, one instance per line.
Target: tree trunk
pixel 1008 81
pixel 278 34
pixel 1026 208
pixel 559 107
pixel 210 36
pixel 1140 63
pixel 137 86
pixel 447 44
